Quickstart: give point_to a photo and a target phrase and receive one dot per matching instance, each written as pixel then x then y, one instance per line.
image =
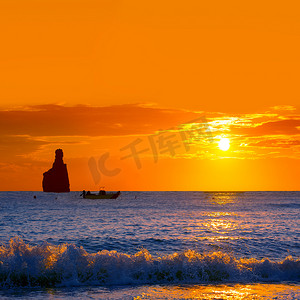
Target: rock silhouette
pixel 56 179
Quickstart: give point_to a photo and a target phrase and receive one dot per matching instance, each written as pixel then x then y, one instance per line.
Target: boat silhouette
pixel 101 195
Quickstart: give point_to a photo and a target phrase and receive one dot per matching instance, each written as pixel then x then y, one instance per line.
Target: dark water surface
pixel 154 241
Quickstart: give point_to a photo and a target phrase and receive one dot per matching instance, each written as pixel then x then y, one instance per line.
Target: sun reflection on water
pixel 223 198
pixel 219 225
pixel 220 214
pixel 225 292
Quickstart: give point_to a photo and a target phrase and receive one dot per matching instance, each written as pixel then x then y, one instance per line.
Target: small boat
pixel 102 195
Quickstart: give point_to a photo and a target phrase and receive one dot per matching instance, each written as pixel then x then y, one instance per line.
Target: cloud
pixel 57 120
pixel 279 127
pixel 276 143
pixel 85 129
pixel 11 146
pixel 284 107
pixel 256 136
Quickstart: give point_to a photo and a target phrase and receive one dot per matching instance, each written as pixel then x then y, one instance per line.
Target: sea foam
pixel 68 265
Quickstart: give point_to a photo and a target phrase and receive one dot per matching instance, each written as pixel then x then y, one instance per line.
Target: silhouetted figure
pixel 56 179
pixel 102 192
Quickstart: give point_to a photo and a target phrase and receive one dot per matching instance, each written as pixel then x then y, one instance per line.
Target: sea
pixel 150 245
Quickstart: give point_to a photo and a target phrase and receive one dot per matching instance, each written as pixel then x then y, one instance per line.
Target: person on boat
pixel 88 193
pixel 83 194
pixel 102 192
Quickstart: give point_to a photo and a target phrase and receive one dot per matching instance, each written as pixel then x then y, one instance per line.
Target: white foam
pixel 69 265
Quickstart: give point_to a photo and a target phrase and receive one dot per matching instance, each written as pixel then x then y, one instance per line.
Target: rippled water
pixel 166 238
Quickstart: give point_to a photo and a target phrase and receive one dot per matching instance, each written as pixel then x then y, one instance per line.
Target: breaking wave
pixel 49 265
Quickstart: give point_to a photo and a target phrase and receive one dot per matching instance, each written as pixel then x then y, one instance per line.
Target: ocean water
pixel 150 245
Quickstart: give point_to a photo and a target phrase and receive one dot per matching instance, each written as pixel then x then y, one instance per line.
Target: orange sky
pixel 92 77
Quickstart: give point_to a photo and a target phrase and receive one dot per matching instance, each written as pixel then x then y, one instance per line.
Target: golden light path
pixel 220 291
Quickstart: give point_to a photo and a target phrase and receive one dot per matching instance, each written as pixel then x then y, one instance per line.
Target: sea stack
pixel 56 179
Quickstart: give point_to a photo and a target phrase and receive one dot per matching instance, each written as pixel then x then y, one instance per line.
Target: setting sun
pixel 224 144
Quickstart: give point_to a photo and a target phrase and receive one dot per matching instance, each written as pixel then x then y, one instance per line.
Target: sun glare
pixel 224 144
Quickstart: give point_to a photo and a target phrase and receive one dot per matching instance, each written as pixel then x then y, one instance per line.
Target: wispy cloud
pixel 11 146
pixel 30 129
pixel 279 127
pixel 57 120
